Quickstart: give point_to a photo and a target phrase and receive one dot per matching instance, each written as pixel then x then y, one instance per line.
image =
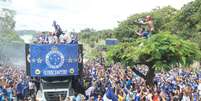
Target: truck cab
pixel 55 90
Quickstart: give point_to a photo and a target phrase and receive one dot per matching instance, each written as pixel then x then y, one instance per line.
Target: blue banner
pixel 53 60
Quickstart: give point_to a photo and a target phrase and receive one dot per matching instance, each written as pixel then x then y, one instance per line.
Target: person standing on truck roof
pixel 58 29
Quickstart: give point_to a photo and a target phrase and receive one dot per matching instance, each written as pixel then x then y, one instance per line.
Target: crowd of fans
pixel 118 84
pixel 114 83
pixel 14 84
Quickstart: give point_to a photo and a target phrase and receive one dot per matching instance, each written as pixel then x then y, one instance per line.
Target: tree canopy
pixel 187 22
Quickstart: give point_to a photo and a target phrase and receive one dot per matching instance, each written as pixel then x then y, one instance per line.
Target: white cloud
pixel 79 14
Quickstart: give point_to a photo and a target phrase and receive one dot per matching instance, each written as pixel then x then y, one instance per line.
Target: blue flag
pixel 53 60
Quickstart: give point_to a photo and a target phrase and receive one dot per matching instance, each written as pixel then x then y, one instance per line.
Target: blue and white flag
pixel 53 60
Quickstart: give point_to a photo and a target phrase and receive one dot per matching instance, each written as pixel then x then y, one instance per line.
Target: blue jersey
pixel 9 94
pixel 137 98
pixel 195 96
pixel 19 88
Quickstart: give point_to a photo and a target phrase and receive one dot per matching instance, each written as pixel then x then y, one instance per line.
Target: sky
pixel 80 14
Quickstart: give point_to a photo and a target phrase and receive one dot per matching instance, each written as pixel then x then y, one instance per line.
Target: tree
pixel 189 17
pixel 7 22
pixel 7 26
pixel 188 20
pixel 162 51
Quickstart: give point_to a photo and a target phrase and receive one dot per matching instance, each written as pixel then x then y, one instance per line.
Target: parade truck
pixel 57 69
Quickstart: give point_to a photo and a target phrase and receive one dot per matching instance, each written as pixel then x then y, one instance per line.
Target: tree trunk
pixel 150 77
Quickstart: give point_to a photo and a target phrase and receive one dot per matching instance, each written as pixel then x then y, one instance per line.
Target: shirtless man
pixel 149 27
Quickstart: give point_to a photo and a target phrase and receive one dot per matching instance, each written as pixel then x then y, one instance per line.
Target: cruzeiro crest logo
pixel 54 59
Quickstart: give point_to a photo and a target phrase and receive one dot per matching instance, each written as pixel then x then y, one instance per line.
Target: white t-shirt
pixel 89 90
pixel 186 98
pixel 51 39
pixel 61 38
pixel 31 85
